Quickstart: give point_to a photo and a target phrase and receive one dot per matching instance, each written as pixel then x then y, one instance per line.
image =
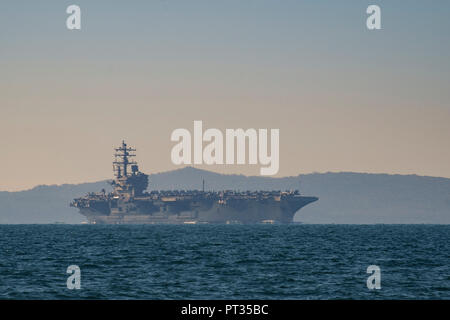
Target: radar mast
pixel 122 161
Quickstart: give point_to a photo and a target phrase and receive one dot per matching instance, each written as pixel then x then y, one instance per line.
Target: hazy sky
pixel 344 98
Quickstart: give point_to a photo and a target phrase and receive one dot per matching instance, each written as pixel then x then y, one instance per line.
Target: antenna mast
pixel 122 161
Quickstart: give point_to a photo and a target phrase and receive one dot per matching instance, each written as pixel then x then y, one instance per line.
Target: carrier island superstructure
pixel 130 203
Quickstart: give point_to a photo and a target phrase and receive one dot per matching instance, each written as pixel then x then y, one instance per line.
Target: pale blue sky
pixel 344 98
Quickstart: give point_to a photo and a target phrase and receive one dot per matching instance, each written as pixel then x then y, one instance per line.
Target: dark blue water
pixel 225 261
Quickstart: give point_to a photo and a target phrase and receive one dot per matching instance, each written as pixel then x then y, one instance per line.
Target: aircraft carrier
pixel 129 203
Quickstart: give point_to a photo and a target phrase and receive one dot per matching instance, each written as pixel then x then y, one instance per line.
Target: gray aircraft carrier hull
pixel 130 203
pixel 243 211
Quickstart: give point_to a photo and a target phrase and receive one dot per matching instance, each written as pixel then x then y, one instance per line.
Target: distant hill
pixel 343 197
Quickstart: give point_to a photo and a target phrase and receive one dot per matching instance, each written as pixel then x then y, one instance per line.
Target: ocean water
pixel 225 261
